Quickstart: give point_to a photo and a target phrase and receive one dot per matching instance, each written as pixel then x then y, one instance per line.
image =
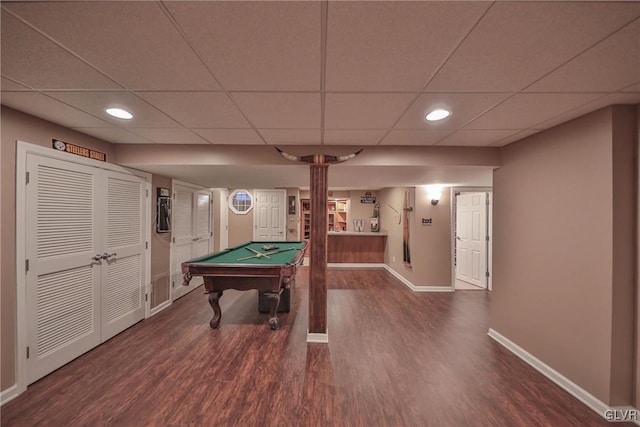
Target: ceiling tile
pixel 632 88
pixel 11 85
pixel 198 109
pixel 280 110
pixel 230 136
pixel 364 110
pixel 415 137
pixel 114 134
pixel 393 46
pixel 463 106
pixel 96 102
pixel 593 70
pixel 47 108
pixel 169 135
pixel 136 44
pixel 291 136
pixel 29 57
pixel 526 110
pixel 353 136
pixel 475 138
pixel 255 45
pixel 516 43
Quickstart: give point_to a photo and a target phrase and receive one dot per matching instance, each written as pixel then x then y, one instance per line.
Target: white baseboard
pixel 414 287
pixel 9 394
pixel 159 308
pixel 354 265
pixel 609 413
pixel 318 337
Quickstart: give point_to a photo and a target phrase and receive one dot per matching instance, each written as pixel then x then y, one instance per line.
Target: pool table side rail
pixel 196 268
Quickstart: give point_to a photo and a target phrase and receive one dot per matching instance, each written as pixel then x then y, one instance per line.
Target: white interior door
pixel 123 274
pixel 191 233
pixel 63 278
pixel 471 238
pixel 224 219
pixel 269 215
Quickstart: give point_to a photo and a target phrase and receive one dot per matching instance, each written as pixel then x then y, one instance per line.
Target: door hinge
pixel 27 178
pixel 173 239
pixel 173 283
pixel 211 233
pixel 27 352
pixel 146 297
pixel 487 238
pixel 487 274
pixel 26 265
pixel 147 193
pixel 487 200
pixel 146 245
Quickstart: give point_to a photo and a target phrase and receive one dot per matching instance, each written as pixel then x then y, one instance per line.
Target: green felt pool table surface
pixel 284 254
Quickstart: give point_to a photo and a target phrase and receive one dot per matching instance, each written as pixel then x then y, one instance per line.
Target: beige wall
pixel 430 245
pixel 19 126
pixel 554 287
pixel 160 250
pixel 240 226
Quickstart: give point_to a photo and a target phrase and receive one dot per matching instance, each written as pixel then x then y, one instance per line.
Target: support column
pixel 318 270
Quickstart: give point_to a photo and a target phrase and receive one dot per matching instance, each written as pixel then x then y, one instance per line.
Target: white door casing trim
pixel 23 149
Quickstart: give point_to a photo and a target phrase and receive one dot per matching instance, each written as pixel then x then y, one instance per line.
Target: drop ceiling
pixel 318 73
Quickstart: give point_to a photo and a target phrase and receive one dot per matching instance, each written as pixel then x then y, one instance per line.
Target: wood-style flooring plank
pixel 394 358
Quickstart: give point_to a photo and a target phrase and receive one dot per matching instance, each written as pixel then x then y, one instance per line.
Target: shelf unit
pixel 337 214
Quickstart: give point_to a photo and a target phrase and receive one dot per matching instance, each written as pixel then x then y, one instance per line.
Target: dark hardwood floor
pixel 394 358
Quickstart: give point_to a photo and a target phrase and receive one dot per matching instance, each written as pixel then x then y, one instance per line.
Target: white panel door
pixel 269 215
pixel 471 238
pixel 63 277
pixel 123 281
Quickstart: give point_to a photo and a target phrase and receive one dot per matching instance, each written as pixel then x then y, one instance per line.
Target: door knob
pixel 107 256
pixel 96 257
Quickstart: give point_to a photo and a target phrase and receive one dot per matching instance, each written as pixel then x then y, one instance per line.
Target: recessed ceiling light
pixel 119 113
pixel 438 114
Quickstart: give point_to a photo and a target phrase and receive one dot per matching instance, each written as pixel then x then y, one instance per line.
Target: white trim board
pixel 318 337
pixel 414 287
pixel 563 382
pixel 9 394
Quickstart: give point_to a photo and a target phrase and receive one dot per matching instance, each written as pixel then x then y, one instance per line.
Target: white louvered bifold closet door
pixel 202 223
pixel 191 233
pixel 183 238
pixel 62 280
pixel 123 285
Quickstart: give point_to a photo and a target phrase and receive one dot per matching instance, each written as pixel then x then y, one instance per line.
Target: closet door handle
pixel 107 256
pixel 96 257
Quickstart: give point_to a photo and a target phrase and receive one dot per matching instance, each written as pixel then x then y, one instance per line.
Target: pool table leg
pixel 273 310
pixel 214 296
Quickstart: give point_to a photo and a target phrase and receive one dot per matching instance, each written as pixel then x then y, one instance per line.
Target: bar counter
pixel 356 247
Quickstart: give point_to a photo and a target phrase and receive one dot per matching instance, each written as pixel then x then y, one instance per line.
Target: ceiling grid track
pixel 324 6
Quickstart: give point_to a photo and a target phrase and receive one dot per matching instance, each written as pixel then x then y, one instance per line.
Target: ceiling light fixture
pixel 438 114
pixel 119 113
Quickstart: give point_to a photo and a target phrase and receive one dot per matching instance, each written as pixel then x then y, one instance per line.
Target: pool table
pixel 269 267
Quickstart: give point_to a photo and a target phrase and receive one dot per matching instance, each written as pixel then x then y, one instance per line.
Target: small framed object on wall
pixel 292 205
pixel 163 211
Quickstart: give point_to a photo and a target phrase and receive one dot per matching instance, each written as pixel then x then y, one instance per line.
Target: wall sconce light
pixel 434 192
